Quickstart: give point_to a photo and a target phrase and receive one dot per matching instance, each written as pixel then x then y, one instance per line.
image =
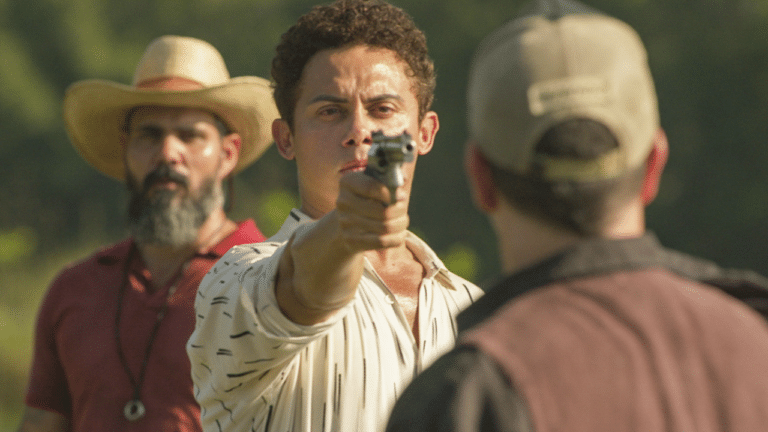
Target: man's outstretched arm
pixel 322 264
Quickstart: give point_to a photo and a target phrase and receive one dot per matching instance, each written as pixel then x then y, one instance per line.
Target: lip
pixel 169 184
pixel 356 165
pixel 166 184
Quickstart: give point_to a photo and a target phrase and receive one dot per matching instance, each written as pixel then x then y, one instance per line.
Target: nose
pixel 360 129
pixel 170 150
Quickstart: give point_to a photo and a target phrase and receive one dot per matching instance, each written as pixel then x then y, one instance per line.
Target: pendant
pixel 134 410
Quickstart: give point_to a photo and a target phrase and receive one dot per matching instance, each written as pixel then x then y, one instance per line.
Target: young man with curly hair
pixel 321 327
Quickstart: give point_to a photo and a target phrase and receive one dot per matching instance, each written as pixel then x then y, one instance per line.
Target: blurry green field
pixel 22 285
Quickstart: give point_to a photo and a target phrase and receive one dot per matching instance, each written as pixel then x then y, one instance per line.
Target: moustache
pixel 163 174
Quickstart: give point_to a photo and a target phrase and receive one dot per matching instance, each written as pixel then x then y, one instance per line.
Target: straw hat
pixel 174 71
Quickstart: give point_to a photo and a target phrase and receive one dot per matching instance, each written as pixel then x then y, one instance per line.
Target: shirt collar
pixel 428 258
pixel 114 254
pixel 295 219
pixel 246 232
pixel 585 258
pixel 600 256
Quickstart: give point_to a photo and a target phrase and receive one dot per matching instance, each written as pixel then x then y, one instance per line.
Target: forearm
pixel 318 273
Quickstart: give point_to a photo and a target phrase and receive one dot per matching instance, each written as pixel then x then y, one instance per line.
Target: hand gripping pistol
pixel 386 157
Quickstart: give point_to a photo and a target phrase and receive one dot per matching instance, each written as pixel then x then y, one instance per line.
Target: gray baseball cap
pixel 540 70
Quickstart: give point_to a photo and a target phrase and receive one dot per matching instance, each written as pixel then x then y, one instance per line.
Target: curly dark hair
pixel 351 22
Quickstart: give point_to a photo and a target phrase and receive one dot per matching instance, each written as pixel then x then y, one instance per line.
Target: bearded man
pixel 109 342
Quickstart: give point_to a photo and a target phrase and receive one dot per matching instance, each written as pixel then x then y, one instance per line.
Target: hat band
pixel 172 83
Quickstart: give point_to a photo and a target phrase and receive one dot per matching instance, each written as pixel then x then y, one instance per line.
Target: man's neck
pixel 524 241
pixel 522 245
pixel 163 262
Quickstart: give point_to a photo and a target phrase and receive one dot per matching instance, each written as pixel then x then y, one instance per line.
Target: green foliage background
pixel 709 59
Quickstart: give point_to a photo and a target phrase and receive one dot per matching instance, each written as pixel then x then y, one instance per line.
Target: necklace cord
pixel 160 315
pixel 135 403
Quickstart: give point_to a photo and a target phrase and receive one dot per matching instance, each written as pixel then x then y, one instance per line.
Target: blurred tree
pixel 709 59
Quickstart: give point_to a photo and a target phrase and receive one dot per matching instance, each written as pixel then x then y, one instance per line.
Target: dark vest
pixel 641 349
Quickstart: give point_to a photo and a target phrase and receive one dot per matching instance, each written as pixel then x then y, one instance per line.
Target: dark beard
pixel 156 220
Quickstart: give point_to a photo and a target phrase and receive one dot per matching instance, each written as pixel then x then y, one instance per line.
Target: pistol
pixel 386 157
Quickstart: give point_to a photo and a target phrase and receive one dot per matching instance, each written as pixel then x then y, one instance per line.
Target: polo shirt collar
pixel 240 236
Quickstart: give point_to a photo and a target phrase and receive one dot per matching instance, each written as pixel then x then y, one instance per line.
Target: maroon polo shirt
pixel 76 370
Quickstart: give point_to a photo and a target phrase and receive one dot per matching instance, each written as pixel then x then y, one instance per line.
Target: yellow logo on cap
pixel 549 96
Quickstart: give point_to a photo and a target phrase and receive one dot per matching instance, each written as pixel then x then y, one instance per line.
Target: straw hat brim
pixel 95 112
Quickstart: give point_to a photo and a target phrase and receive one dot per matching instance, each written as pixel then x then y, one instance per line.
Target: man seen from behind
pixel 594 326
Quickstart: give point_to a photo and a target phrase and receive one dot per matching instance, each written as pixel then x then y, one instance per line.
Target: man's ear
pixel 481 185
pixel 283 137
pixel 230 150
pixel 427 131
pixel 655 164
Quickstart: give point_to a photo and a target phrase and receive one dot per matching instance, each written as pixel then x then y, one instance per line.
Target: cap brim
pixel 95 110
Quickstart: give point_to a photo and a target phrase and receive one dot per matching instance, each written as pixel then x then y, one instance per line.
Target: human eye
pixel 330 111
pixel 146 136
pixel 191 135
pixel 383 110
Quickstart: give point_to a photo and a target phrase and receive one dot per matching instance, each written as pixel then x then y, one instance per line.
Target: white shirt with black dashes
pixel 256 370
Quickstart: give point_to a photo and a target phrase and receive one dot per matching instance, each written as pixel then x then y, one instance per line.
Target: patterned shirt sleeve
pixel 243 345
